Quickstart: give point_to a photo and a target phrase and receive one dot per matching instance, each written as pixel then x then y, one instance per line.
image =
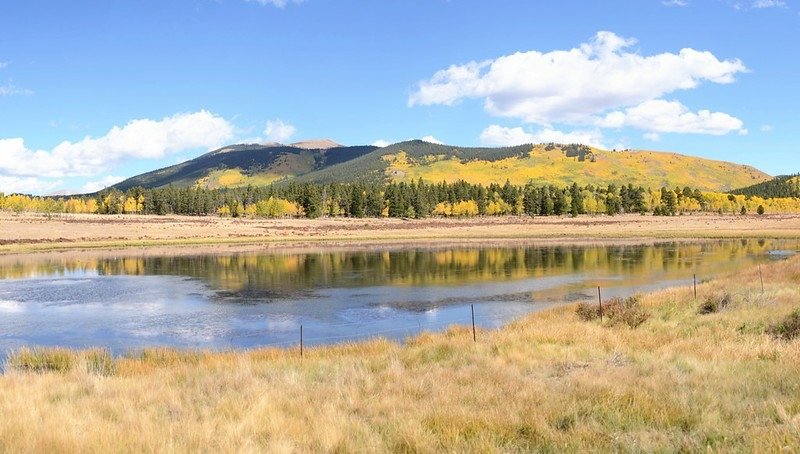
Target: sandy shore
pixel 31 232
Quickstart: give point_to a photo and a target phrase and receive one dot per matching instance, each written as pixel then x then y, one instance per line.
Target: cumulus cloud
pixel 662 116
pixel 675 2
pixel 27 185
pixel 276 3
pixel 381 143
pixel 766 128
pixel 143 138
pixel 9 89
pixel 278 131
pixel 769 4
pixel 496 135
pixel 431 139
pixel 574 86
pixel 94 186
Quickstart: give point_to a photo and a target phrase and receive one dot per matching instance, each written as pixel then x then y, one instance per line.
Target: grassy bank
pixel 716 371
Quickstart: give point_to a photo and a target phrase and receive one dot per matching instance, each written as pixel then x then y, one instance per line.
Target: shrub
pixel 625 312
pixel 587 311
pixel 786 329
pixel 760 210
pixel 617 311
pixel 714 303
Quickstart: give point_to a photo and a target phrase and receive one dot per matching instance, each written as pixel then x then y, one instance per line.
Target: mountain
pixel 243 164
pixel 780 186
pixel 324 161
pixel 544 164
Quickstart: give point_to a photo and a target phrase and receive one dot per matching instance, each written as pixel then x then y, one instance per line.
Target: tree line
pixel 416 199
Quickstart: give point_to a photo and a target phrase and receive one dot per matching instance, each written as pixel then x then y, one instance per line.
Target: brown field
pixel 30 232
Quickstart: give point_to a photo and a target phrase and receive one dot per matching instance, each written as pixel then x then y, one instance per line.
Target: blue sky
pixel 91 91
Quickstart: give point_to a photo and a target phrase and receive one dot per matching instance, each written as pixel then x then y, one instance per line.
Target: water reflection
pixel 131 299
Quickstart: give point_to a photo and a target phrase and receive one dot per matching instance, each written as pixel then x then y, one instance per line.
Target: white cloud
pixel 3 64
pixel 431 139
pixel 766 128
pixel 143 138
pixel 26 185
pixel 769 4
pixel 662 116
pixel 94 186
pixel 278 131
pixel 381 143
pixel 652 136
pixel 9 89
pixel 675 2
pixel 276 3
pixel 572 86
pixel 496 135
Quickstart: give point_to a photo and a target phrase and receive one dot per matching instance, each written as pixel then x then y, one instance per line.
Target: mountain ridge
pixel 326 161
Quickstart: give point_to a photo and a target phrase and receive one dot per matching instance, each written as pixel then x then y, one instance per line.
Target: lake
pixel 221 298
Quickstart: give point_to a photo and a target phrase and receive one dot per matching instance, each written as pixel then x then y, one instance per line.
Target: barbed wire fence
pixel 473 319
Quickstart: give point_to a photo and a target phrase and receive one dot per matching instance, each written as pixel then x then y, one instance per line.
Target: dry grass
pixel 31 232
pixel 679 382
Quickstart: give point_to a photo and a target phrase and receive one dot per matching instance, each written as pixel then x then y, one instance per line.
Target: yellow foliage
pixel 466 208
pixel 224 211
pixel 646 168
pixel 131 205
pixel 276 208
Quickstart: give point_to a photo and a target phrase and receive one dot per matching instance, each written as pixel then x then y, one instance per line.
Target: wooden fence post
pixel 600 300
pixel 474 336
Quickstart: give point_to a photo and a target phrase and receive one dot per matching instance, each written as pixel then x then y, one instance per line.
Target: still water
pixel 218 299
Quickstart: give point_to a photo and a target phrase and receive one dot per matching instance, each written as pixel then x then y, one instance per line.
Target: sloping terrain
pixel 780 186
pixel 241 165
pixel 542 164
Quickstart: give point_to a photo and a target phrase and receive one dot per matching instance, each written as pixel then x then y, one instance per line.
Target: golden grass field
pixel 32 232
pixel 551 382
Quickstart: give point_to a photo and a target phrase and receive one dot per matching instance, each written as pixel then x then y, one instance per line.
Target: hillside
pixel 547 163
pixel 257 164
pixel 323 161
pixel 780 186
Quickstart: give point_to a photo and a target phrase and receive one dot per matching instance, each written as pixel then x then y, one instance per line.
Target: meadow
pixel 29 232
pixel 719 371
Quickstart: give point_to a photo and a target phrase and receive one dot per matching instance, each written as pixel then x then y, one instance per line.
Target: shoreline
pixel 577 384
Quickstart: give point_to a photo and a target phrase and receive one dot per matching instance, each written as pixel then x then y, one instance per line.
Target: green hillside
pixel 780 186
pixel 258 165
pixel 240 165
pixel 544 164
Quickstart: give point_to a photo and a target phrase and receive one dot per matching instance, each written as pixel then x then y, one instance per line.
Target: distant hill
pixel 780 186
pixel 257 164
pixel 324 161
pixel 544 164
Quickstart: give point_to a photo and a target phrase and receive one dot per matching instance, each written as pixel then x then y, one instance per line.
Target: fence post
pixel 694 279
pixel 600 300
pixel 301 341
pixel 761 276
pixel 474 336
